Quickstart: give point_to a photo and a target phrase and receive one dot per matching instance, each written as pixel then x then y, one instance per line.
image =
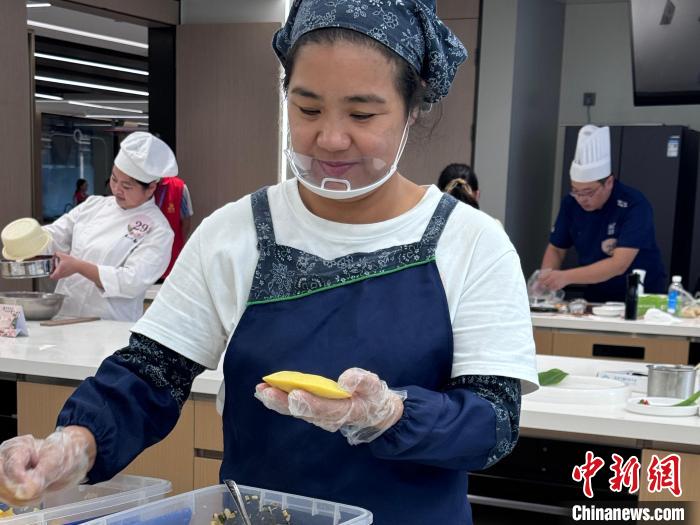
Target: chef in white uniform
pixel 111 249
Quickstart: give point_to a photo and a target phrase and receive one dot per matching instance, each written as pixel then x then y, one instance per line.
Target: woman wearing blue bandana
pixel 414 301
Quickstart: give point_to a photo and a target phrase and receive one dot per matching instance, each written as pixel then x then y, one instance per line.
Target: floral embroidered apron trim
pixel 341 283
pixel 284 273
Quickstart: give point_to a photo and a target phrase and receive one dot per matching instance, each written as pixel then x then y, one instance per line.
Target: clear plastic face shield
pixel 343 179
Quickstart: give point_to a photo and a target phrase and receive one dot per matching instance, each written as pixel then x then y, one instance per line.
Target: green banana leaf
pixel 551 377
pixel 690 401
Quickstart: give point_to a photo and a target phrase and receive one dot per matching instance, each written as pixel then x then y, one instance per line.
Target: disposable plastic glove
pixel 29 467
pixel 369 412
pixel 273 398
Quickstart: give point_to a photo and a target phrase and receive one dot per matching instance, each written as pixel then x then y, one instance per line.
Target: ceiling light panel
pixel 86 34
pixel 112 108
pixel 48 97
pixel 91 64
pixel 112 101
pixel 118 117
pixel 90 85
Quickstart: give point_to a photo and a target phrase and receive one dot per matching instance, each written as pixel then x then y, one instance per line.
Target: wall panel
pixel 448 9
pixel 429 151
pixel 16 108
pixel 153 12
pixel 227 111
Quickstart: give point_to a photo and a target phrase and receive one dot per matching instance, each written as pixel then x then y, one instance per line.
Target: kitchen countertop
pixel 612 421
pixel 689 328
pixel 74 352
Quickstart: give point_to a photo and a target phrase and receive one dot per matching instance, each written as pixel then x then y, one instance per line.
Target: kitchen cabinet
pixel 8 410
pixel 188 457
pixel 690 482
pixel 38 406
pixel 543 341
pixel 206 472
pixel 537 475
pixel 208 442
pixel 171 458
pixel 626 347
pixel 209 433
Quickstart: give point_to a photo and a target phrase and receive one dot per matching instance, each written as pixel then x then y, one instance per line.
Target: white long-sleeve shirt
pixel 199 306
pixel 131 249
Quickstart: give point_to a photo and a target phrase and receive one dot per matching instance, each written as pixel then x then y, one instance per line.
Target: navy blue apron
pixel 385 312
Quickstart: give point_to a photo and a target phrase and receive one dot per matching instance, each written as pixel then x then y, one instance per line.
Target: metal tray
pixel 543 309
pixel 39 266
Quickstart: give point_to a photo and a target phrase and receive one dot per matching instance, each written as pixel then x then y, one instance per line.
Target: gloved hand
pixel 546 286
pixel 362 418
pixel 554 281
pixel 29 466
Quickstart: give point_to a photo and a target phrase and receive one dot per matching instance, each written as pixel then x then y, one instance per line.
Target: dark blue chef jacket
pixel 626 220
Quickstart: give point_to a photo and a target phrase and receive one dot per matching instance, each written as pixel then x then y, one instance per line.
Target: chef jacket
pixel 626 220
pixel 131 249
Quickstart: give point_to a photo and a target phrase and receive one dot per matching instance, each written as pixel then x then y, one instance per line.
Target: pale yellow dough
pixel 317 385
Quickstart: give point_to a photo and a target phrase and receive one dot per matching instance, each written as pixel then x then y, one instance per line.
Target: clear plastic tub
pixel 87 502
pixel 198 507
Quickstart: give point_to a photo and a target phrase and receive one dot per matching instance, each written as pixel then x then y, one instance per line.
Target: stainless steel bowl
pixel 39 266
pixel 37 306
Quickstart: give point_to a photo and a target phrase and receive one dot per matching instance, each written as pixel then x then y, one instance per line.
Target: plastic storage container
pixel 198 507
pixel 86 502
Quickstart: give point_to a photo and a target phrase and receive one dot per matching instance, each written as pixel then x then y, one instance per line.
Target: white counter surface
pixel 75 351
pixel 613 421
pixel 689 328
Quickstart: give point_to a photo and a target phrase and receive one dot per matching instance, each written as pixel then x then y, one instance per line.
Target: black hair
pixel 144 185
pixel 408 81
pixel 460 181
pixel 79 183
pixel 458 171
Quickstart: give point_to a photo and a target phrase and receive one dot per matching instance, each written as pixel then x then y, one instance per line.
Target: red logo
pixel 662 474
pixel 626 474
pixel 586 472
pixel 665 474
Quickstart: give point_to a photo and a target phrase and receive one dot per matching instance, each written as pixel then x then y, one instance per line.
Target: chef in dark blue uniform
pixel 348 270
pixel 610 224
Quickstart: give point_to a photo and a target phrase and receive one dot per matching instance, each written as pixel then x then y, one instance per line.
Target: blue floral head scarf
pixel 408 27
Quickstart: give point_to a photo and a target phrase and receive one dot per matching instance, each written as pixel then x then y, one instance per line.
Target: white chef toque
pixel 592 159
pixel 146 158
